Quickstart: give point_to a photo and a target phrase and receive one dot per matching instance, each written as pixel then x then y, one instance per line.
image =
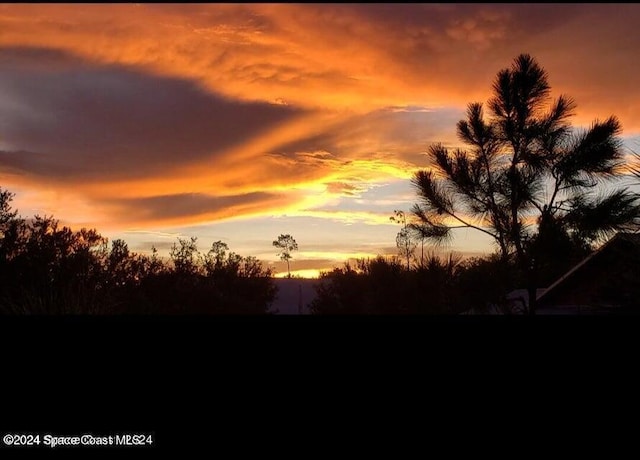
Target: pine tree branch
pixel 466 224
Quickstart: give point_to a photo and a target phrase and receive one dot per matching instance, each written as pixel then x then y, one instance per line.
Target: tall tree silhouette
pixel 526 173
pixel 286 244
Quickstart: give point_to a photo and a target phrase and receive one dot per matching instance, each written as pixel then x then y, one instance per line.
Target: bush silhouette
pixel 48 269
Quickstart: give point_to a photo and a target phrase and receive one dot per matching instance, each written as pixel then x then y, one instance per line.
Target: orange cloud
pixel 257 109
pixel 358 57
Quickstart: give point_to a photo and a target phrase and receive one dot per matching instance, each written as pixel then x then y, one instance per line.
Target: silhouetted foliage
pixel 528 179
pixel 484 282
pixel 383 286
pixel 634 167
pixel 6 214
pixel 186 258
pixel 405 241
pixel 48 269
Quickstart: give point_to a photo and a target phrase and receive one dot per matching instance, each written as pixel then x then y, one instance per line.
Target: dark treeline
pixel 438 285
pixel 48 269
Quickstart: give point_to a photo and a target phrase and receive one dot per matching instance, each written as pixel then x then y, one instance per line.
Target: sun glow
pixel 309 273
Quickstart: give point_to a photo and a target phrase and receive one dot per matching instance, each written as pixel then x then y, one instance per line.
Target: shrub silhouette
pixel 384 286
pixel 48 269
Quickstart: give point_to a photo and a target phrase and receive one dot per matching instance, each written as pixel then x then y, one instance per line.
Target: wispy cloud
pixel 190 207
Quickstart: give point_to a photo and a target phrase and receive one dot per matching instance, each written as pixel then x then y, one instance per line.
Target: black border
pixel 204 382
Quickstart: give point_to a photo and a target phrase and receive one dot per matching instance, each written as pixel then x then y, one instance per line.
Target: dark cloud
pixel 187 205
pixel 73 120
pixel 24 60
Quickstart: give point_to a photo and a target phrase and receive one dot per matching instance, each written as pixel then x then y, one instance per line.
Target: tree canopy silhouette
pixel 527 179
pixel 49 269
pixel 383 285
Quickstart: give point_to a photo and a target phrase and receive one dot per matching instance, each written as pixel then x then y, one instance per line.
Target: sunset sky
pixel 239 122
